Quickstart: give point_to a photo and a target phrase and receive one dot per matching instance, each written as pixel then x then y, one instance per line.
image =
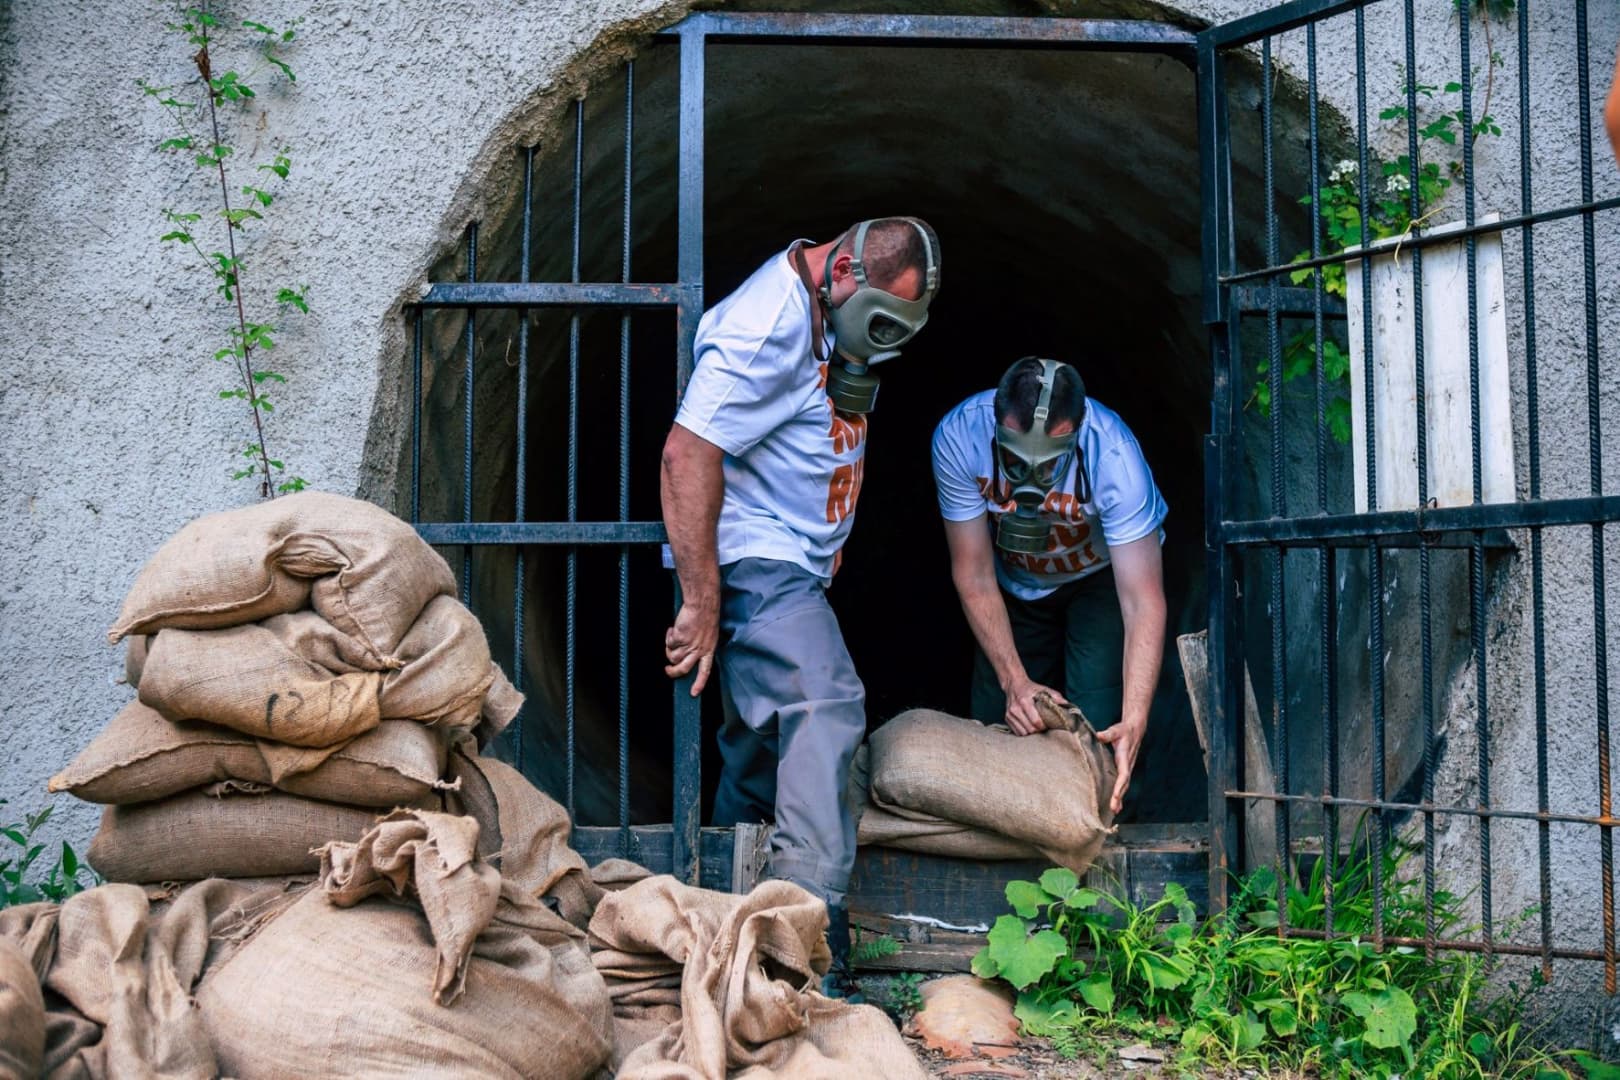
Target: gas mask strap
pixel 818 336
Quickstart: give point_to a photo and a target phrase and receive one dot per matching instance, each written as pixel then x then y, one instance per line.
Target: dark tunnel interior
pixel 1064 187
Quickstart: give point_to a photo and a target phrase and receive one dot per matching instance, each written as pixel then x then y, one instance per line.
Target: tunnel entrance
pixel 1059 163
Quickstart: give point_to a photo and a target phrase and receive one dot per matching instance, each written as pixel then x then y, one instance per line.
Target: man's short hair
pixel 893 246
pixel 1020 391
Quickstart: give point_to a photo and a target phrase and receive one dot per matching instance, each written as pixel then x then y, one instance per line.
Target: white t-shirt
pixel 793 466
pixel 1125 503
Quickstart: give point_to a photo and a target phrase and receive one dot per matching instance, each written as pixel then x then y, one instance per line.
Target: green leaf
pixel 177 235
pixel 1249 1031
pixel 14 836
pixel 70 861
pixel 1165 972
pixel 1026 897
pixel 1060 882
pixel 1023 957
pixel 983 966
pixel 1284 1021
pixel 1040 1018
pixel 1595 1068
pixel 1098 990
pixel 1390 1016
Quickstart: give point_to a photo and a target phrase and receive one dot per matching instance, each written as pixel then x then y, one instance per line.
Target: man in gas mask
pixel 761 472
pixel 1051 514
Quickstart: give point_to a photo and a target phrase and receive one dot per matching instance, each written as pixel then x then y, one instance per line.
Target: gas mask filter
pixel 872 324
pixel 1033 462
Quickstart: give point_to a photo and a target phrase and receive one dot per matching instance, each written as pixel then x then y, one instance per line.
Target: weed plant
pixel 1091 967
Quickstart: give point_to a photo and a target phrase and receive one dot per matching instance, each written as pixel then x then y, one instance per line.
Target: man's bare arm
pixel 1139 579
pixel 973 571
pixel 692 483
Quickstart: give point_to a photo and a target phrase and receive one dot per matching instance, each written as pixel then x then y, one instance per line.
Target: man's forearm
pixel 1144 653
pixel 987 616
pixel 692 487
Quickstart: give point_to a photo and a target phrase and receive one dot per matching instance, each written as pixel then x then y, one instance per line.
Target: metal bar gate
pixel 684 296
pixel 1248 283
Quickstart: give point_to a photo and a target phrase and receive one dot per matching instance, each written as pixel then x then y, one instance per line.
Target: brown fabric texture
pixel 746 1010
pixel 298 679
pixel 953 777
pixel 364 570
pixel 22 1015
pixel 522 831
pixel 879 828
pixel 193 836
pixel 140 757
pixel 121 979
pixel 350 978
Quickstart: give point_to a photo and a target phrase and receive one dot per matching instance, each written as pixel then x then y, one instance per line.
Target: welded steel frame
pixel 1232 293
pixel 684 297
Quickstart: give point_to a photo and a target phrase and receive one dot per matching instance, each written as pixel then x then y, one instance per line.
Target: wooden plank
pixel 751 857
pixel 1260 816
pixel 651 846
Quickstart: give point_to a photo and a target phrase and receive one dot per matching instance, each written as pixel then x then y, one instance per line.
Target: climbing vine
pixel 202 110
pixel 1440 125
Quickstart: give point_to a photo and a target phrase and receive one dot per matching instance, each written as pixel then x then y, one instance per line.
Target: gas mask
pixel 1033 463
pixel 869 326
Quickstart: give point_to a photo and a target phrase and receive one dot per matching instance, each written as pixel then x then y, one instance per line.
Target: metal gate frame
pixel 1232 293
pixel 685 297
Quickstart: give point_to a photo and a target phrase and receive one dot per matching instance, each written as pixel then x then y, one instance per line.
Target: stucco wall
pixel 402 126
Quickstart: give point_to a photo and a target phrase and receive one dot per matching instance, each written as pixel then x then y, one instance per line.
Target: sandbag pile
pixel 741 1003
pixel 945 785
pixel 301 668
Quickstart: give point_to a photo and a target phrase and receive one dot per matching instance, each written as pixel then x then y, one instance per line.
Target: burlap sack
pixel 364 570
pixel 194 836
pixel 1049 791
pixel 135 657
pixel 522 831
pixel 298 679
pixel 747 964
pixel 22 1016
pixel 467 978
pixel 121 979
pixel 875 827
pixel 141 757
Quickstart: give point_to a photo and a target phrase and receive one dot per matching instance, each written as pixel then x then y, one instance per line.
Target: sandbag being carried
pixel 141 757
pixel 364 570
pixel 458 976
pixel 198 835
pixel 746 1007
pixel 943 781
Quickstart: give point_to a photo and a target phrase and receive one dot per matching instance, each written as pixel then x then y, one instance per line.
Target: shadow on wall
pixel 1065 191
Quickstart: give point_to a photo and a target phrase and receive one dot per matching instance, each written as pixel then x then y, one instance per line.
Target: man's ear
pixel 841 265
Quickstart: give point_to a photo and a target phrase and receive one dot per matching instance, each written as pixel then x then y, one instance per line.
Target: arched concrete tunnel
pixel 1064 187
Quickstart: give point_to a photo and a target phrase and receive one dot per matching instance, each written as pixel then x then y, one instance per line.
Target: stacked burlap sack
pixel 945 785
pixel 434 945
pixel 301 668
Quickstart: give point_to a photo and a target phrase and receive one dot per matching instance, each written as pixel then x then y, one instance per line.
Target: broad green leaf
pixel 983 966
pixel 1098 990
pixel 1041 1018
pixel 1249 1030
pixel 1026 897
pixel 1265 920
pixel 1165 972
pixel 1390 1016
pixel 1059 881
pixel 1283 1020
pixel 1595 1069
pixel 14 836
pixel 70 861
pixel 1023 957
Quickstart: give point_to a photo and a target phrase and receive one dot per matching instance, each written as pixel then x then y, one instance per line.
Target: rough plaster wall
pixel 402 126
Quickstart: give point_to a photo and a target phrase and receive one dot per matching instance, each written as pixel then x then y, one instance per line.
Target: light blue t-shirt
pixel 793 466
pixel 1125 503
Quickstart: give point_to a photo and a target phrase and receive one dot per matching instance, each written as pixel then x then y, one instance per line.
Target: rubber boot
pixel 839 982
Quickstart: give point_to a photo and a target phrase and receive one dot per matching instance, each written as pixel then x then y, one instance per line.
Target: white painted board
pixel 1446 373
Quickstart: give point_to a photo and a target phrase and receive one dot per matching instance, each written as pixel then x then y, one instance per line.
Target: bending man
pixel 761 472
pixel 1050 513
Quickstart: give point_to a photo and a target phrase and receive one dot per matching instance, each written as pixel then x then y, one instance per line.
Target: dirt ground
pixel 1036 1060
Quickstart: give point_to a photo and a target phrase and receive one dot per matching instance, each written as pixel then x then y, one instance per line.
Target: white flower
pixel 1398 183
pixel 1344 170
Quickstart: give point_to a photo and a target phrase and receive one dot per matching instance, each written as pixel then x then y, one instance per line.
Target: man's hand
pixel 1126 739
pixel 1022 715
pixel 691 642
